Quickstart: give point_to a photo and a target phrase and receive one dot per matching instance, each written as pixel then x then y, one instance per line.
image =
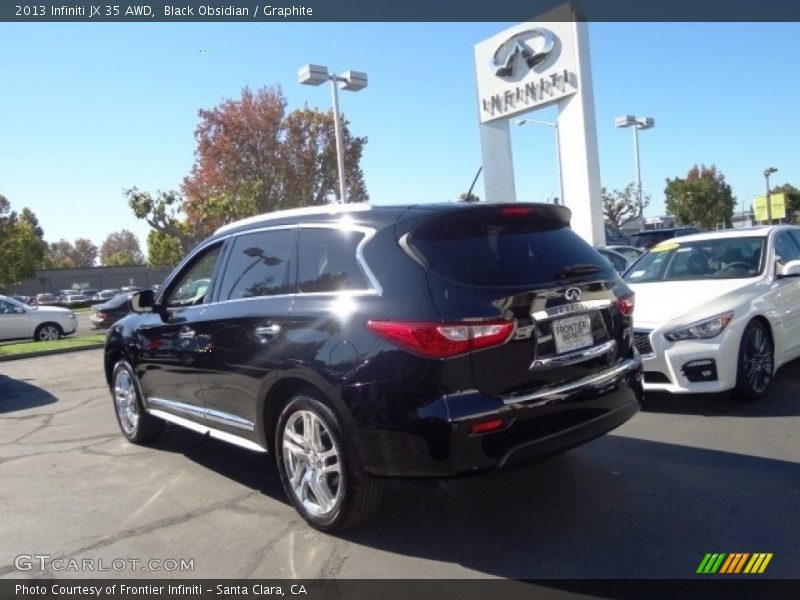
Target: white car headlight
pixel 701 330
pixel 71 315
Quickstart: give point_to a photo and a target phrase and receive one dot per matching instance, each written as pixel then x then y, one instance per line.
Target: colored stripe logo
pixel 734 563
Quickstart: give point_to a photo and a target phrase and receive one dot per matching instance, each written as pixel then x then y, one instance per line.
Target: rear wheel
pixel 47 332
pixel 756 362
pixel 136 424
pixel 319 470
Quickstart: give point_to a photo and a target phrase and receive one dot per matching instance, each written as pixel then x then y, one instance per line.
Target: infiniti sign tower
pixel 527 67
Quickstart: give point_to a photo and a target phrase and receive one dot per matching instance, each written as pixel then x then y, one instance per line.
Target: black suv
pixel 358 342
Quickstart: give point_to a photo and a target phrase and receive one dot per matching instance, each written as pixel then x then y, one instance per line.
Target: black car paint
pixel 407 415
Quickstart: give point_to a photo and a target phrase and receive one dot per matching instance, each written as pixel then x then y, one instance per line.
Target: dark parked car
pixel 619 262
pixel 104 315
pixel 357 343
pixel 44 300
pixel 616 237
pixel 649 238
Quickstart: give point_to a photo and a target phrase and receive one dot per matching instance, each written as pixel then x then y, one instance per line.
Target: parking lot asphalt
pixel 684 477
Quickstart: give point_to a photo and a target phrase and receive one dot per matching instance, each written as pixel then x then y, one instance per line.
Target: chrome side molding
pixel 207 413
pixel 205 430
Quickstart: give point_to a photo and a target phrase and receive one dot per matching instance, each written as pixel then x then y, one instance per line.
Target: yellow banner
pixel 778 202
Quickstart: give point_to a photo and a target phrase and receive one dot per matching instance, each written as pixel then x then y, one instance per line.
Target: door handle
pixel 186 333
pixel 270 330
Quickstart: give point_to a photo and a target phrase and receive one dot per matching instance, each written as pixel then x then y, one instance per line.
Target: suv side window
pixel 260 264
pixel 328 260
pixel 193 285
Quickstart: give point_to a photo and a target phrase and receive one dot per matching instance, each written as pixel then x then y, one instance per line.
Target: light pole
pixel 767 172
pixel 349 80
pixel 522 122
pixel 637 123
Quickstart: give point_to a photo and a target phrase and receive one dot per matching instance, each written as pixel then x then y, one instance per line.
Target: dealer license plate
pixel 572 333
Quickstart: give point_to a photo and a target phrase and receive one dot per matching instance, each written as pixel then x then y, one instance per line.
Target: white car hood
pixel 661 302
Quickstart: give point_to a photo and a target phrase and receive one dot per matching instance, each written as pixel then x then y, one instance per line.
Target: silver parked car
pixel 19 321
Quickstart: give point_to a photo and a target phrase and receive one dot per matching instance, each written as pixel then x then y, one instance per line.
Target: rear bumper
pixel 437 440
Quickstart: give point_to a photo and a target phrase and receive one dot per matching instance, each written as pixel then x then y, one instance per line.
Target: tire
pixel 48 332
pixel 136 424
pixel 319 469
pixel 754 371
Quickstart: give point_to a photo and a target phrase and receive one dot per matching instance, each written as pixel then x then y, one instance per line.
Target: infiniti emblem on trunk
pixel 572 294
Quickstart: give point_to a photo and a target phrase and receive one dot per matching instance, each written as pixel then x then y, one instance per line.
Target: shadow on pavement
pixel 18 394
pixel 615 508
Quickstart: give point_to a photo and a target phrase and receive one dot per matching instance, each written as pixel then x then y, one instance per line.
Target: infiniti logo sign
pixel 572 294
pixel 533 47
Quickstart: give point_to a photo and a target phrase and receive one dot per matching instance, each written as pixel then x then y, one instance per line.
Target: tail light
pixel 626 304
pixel 443 340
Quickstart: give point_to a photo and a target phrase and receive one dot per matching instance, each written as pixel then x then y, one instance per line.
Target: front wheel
pixel 319 470
pixel 47 332
pixel 136 424
pixel 756 362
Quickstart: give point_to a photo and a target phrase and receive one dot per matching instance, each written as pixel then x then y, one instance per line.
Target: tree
pixel 792 200
pixel 121 248
pixel 164 213
pixel 469 197
pixel 163 250
pixel 621 206
pixel 64 255
pixel 21 244
pixel 252 157
pixel 702 198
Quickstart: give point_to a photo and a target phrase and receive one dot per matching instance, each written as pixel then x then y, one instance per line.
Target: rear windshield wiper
pixel 579 269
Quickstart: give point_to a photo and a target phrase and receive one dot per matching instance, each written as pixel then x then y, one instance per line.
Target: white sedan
pixel 18 321
pixel 718 311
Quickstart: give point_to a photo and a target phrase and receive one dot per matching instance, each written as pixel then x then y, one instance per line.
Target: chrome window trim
pixel 205 430
pixel 569 309
pixel 574 357
pixel 368 233
pixel 304 211
pixel 545 396
pixel 208 413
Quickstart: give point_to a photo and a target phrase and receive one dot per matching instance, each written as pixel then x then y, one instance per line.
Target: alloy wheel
pixel 312 463
pixel 48 333
pixel 757 360
pixel 125 401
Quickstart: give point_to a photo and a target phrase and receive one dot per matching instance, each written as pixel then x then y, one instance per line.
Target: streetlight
pixel 637 123
pixel 522 122
pixel 767 172
pixel 349 80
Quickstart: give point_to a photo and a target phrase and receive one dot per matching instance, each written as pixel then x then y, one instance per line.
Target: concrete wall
pixel 99 278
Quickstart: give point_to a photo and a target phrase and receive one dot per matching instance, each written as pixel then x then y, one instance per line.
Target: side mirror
pixel 143 302
pixel 790 269
pixel 19 310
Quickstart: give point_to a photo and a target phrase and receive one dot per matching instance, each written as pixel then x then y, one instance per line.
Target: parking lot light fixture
pixel 767 172
pixel 522 122
pixel 637 123
pixel 352 81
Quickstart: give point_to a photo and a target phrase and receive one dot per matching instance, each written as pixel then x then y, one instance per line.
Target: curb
pixel 54 351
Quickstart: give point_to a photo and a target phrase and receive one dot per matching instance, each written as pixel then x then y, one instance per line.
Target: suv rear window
pixel 496 251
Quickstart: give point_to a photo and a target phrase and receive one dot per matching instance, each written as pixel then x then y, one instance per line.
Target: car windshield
pixel 726 258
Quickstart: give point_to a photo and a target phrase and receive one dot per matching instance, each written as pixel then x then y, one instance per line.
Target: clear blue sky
pixel 87 110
